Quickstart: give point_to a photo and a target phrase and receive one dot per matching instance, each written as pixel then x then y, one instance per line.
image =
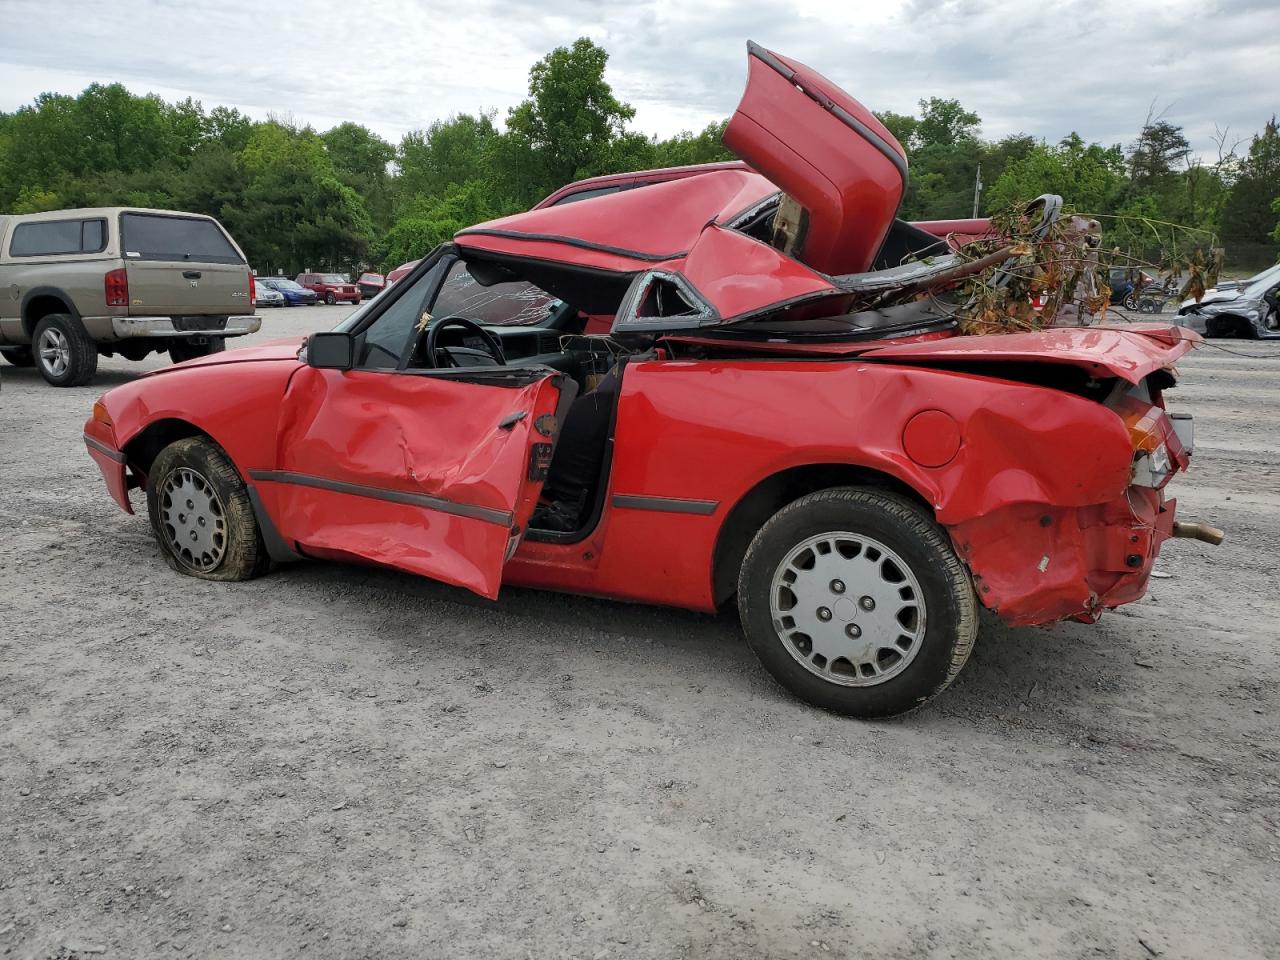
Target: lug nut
pixel 837 586
pixel 824 614
pixel 854 631
pixel 866 603
pixel 190 505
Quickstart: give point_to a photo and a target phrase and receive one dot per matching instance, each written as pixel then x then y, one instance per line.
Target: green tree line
pixel 346 198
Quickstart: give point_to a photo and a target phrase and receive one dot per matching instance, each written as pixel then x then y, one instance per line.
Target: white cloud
pixel 1042 68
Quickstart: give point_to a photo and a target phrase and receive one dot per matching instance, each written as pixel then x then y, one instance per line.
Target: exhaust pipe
pixel 1198 531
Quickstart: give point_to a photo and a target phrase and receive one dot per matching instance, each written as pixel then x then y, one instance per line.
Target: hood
pixel 624 232
pixel 1216 295
pixel 1130 352
pixel 826 151
pixel 285 348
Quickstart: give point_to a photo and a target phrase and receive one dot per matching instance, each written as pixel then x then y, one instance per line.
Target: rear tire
pixel 19 356
pixel 201 514
pixel 889 608
pixel 64 353
pixel 181 351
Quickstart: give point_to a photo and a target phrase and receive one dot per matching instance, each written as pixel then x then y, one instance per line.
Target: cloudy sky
pixel 1044 67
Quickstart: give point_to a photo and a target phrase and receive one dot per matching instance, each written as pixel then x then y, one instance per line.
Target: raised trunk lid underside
pixel 823 148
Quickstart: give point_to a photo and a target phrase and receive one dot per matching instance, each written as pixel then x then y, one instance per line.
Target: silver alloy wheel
pixel 848 609
pixel 195 523
pixel 54 351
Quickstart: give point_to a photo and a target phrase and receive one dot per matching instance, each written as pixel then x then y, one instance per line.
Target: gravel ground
pixel 355 763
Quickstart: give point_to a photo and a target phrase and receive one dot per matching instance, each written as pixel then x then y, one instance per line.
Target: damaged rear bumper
pixel 1033 563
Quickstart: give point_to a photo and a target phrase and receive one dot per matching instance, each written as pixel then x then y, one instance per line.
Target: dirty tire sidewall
pixel 246 556
pixel 906 529
pixel 82 352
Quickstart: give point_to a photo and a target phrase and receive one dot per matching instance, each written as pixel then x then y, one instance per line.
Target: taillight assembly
pixel 1161 443
pixel 116 286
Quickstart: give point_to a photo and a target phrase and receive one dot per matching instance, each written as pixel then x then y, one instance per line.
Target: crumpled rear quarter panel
pixel 712 430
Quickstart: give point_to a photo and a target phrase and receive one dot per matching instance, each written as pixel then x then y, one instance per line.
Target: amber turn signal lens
pixel 100 413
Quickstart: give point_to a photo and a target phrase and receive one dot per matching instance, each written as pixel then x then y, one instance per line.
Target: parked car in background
pixel 401 271
pixel 266 296
pixel 294 294
pixel 330 287
pixel 1128 285
pixel 371 284
pixel 782 421
pixel 80 284
pixel 1250 310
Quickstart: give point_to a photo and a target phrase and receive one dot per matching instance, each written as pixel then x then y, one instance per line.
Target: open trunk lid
pixel 827 151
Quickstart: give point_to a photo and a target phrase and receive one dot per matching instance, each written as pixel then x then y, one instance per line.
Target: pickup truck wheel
pixel 201 515
pixel 180 350
pixel 19 356
pixel 330 299
pixel 64 353
pixel 855 601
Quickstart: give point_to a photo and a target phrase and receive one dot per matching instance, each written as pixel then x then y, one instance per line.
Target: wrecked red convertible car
pixel 776 416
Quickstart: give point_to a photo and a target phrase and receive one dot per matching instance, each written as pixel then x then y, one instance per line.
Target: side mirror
pixel 331 351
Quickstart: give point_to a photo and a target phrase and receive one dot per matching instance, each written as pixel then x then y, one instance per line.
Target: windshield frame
pixel 1260 283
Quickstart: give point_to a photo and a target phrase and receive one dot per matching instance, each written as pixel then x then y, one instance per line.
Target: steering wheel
pixel 438 356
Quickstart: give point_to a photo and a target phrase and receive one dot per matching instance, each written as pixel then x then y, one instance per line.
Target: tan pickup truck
pixel 76 284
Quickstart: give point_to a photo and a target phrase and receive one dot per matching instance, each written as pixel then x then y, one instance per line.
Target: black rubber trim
pixel 28 325
pixel 468 510
pixel 665 504
pixel 277 549
pixel 602 481
pixel 103 449
pixel 840 113
pixel 572 242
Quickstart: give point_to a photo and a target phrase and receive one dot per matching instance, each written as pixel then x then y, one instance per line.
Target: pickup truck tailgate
pixel 182 266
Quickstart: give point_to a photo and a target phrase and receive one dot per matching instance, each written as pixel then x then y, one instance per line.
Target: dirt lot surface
pixel 342 762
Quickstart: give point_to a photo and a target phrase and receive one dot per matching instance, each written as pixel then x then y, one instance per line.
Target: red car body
pixel 330 287
pixel 1021 447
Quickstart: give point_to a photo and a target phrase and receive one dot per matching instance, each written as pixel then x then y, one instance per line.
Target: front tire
pixel 854 600
pixel 201 514
pixel 181 351
pixel 19 356
pixel 330 299
pixel 64 353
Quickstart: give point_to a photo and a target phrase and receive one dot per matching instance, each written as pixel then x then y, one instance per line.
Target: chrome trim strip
pixel 125 327
pixel 427 502
pixel 665 504
pixel 103 449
